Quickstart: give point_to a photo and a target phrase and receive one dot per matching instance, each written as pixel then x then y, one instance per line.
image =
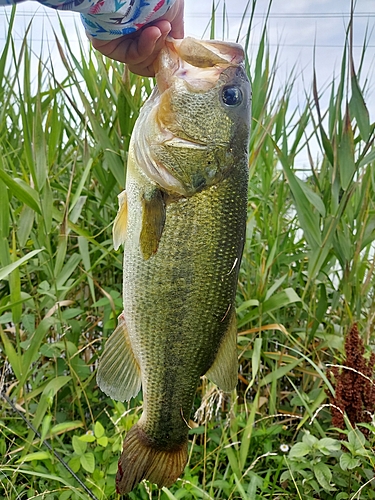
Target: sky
pixel 296 28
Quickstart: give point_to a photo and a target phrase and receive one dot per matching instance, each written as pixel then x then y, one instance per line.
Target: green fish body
pixel 182 221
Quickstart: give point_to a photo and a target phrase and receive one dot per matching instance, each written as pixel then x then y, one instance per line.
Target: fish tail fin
pixel 140 459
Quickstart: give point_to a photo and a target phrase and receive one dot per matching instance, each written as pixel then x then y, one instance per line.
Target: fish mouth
pixel 196 61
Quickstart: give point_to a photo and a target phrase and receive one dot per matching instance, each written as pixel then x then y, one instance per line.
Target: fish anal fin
pixel 224 370
pixel 141 460
pixel 118 374
pixel 121 221
pixel 153 219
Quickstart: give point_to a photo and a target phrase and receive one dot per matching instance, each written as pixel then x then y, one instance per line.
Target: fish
pixel 182 220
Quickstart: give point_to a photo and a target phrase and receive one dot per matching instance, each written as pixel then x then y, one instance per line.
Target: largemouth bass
pixel 182 222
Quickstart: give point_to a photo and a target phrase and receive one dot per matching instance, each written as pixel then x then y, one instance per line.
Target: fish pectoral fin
pixel 153 219
pixel 224 370
pixel 119 375
pixel 121 221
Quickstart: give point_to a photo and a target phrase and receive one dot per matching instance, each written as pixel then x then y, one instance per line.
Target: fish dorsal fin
pixel 119 375
pixel 121 221
pixel 224 371
pixel 153 219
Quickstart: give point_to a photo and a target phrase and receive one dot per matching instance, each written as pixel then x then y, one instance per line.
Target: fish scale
pixel 182 221
pixel 180 317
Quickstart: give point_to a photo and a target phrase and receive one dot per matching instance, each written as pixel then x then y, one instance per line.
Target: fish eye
pixel 231 96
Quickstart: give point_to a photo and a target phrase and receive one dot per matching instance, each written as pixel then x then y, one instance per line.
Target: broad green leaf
pixel 4 273
pixel 87 438
pixel 67 270
pixel 98 430
pixel 45 402
pixel 328 445
pixel 14 359
pixel 308 218
pixel 65 427
pixel 81 184
pixel 323 475
pixel 25 225
pixel 310 440
pixel 88 462
pixel 232 458
pixel 357 439
pixel 313 197
pixel 75 463
pixel 34 344
pixel 169 494
pixel 79 446
pixel 349 462
pixel 22 191
pixel 284 298
pixel 299 450
pixel 38 455
pixel 359 109
pixel 45 427
pixel 102 441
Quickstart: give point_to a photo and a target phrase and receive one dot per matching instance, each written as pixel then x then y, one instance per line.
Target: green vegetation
pixel 306 277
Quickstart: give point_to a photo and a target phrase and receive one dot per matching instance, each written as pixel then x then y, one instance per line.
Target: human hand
pixel 140 49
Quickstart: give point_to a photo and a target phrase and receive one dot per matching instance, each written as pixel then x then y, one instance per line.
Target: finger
pixel 144 45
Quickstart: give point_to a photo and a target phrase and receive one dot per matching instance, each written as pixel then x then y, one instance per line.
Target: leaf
pixel 102 441
pixel 299 450
pixel 323 475
pixel 88 462
pixel 346 155
pixel 66 426
pixel 98 430
pixel 34 344
pixel 4 211
pixel 247 433
pixel 22 191
pixel 349 462
pixel 87 438
pixel 284 298
pixel 13 358
pixel 328 445
pixel 4 273
pixel 255 359
pixel 67 270
pixel 79 446
pixel 309 439
pixel 38 455
pixel 25 225
pixel 357 439
pixel 279 372
pixel 112 469
pixel 359 109
pixel 308 218
pixel 50 477
pixel 75 463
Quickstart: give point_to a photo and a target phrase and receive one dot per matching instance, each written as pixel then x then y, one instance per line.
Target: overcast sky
pixel 294 27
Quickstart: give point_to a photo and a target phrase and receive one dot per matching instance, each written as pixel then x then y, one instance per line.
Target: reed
pixel 307 275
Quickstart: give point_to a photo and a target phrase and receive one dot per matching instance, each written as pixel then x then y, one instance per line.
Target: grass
pixel 306 276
